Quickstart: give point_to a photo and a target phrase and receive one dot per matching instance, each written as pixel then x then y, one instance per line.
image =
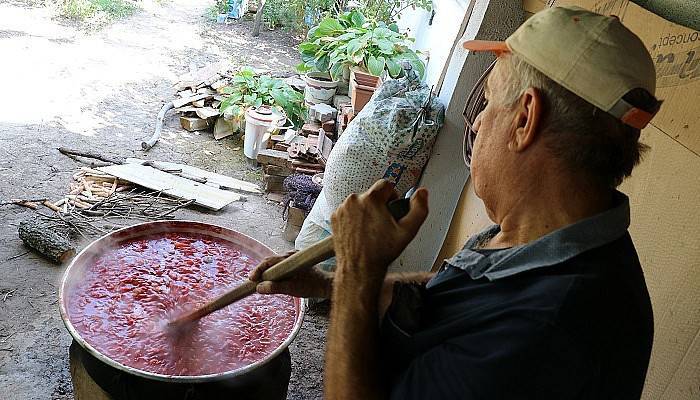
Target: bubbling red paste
pixel 127 295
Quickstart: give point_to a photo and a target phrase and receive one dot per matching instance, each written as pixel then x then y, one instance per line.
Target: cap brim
pixel 486 45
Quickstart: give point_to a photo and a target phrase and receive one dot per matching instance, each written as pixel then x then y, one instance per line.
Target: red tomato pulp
pixel 121 305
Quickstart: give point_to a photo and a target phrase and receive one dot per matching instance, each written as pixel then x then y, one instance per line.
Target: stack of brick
pixel 305 153
pixel 274 166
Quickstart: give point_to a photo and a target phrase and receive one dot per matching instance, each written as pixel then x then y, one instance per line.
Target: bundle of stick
pixel 96 204
pixel 88 187
pixel 96 217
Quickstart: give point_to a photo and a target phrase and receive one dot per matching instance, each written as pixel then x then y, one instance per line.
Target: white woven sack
pixel 392 137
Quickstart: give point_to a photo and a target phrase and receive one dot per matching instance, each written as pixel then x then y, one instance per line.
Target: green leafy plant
pixel 219 7
pixel 251 90
pixel 351 40
pixel 389 11
pixel 296 15
pixel 85 9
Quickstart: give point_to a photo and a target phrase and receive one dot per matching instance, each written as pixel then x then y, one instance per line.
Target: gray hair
pixel 587 139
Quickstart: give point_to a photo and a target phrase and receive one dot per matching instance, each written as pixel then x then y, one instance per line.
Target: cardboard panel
pixel 664 192
pixel 533 6
pixel 470 218
pixel 676 54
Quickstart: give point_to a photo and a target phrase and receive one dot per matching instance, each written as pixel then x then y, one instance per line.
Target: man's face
pixel 491 159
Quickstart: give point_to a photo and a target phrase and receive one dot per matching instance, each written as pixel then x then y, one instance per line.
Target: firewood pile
pixel 95 204
pixel 89 186
pixel 199 95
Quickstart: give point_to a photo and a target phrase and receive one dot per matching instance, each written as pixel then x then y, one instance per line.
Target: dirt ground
pixel 101 90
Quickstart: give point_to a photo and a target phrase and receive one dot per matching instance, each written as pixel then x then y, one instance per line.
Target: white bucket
pixel 259 123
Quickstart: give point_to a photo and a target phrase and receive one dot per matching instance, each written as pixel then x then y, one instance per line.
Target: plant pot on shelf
pixel 320 88
pixel 362 87
pixel 360 95
pixel 364 78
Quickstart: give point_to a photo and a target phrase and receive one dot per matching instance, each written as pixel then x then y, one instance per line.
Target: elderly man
pixel 550 303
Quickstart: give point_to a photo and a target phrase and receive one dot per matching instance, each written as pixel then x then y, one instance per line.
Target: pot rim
pixel 316 74
pixel 187 226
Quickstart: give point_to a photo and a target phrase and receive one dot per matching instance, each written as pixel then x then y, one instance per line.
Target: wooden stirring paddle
pixel 308 257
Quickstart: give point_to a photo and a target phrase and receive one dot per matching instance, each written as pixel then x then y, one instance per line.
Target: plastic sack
pixel 391 138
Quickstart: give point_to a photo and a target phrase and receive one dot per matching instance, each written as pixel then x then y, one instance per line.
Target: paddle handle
pixel 308 257
pixel 312 255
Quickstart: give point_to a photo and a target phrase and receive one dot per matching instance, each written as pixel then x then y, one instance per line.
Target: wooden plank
pixel 277 170
pixel 206 112
pixel 172 185
pixel 295 216
pixel 224 182
pixel 193 123
pixel 274 183
pixel 273 157
pixel 177 103
pixel 186 109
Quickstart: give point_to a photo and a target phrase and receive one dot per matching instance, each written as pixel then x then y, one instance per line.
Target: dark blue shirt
pixel 566 316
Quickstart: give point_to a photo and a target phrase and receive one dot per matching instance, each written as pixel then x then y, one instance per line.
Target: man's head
pixel 563 99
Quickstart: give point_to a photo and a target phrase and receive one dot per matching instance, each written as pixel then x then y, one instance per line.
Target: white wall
pixel 437 38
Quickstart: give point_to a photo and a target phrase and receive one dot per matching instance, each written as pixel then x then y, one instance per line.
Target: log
pixel 49 243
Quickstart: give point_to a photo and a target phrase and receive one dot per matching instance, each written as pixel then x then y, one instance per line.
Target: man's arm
pixel 352 363
pixel 367 240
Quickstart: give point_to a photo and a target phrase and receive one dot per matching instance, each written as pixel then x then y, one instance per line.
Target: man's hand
pixel 307 282
pixel 365 234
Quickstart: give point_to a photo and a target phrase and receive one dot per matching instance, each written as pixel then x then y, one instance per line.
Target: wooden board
pixel 213 179
pixel 172 185
pixel 177 103
pixel 206 112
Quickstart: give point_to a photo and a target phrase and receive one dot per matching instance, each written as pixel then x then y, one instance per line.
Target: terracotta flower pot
pixel 360 95
pixel 364 78
pixel 362 87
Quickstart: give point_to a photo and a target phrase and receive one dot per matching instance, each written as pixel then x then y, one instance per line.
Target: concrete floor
pixel 63 86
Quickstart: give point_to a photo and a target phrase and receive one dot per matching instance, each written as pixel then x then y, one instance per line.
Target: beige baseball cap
pixel 592 55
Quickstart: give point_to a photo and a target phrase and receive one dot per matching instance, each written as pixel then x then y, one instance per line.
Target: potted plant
pixel 337 44
pixel 320 87
pixel 368 47
pixel 249 89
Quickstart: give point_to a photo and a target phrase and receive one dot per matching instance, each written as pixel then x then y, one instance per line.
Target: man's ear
pixel 527 120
